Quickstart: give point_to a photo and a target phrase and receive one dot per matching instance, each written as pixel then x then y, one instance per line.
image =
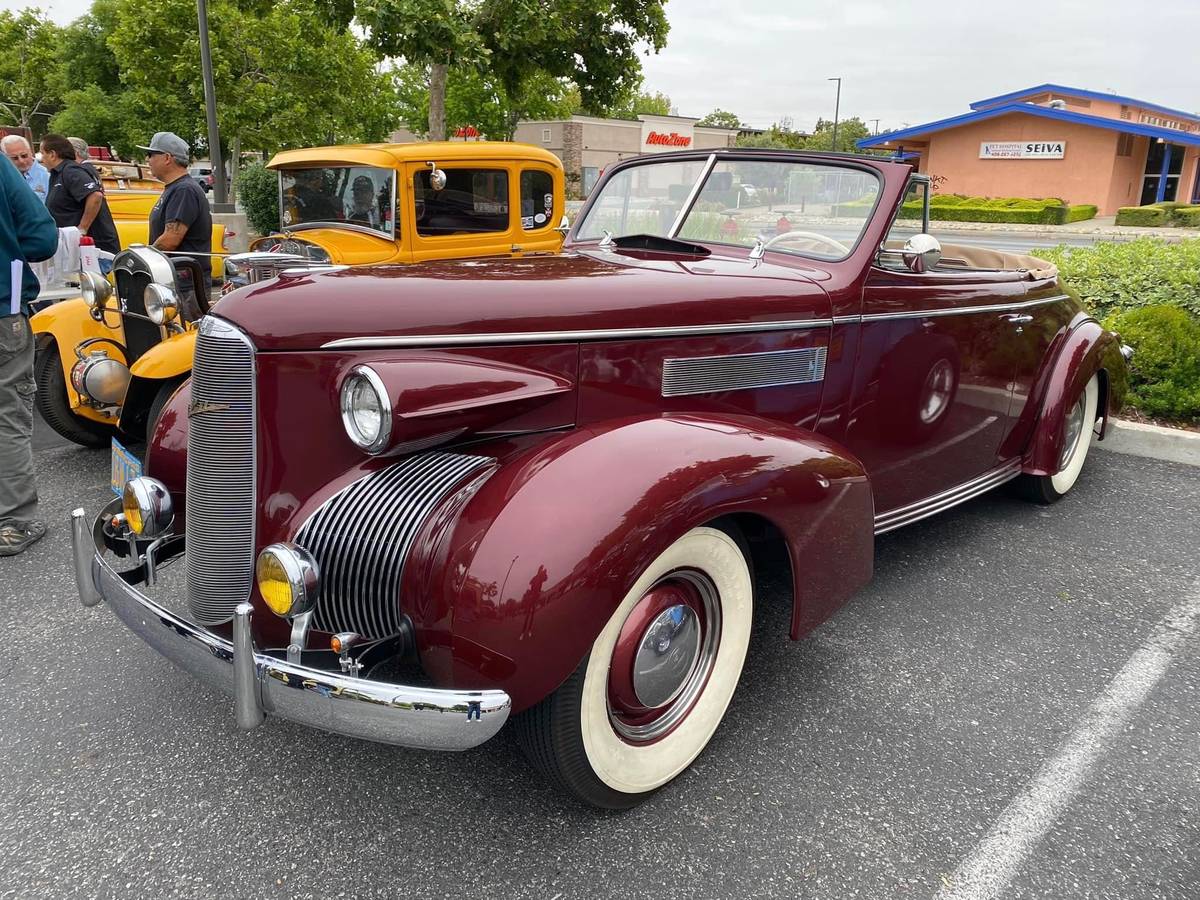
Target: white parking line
pixel 1025 821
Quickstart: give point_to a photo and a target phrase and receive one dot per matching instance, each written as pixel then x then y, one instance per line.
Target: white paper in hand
pixel 17 273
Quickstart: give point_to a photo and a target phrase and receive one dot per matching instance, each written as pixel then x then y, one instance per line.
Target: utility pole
pixel 836 106
pixel 221 202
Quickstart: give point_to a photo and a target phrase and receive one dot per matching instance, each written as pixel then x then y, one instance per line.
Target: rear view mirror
pixel 921 252
pixel 437 178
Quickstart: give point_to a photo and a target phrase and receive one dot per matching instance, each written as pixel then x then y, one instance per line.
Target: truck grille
pixel 220 473
pixel 360 538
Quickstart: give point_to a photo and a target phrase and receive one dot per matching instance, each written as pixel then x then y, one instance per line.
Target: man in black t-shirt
pixel 75 197
pixel 181 220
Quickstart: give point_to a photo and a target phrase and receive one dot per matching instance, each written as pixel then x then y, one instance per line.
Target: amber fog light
pixel 366 409
pixel 147 507
pixel 287 579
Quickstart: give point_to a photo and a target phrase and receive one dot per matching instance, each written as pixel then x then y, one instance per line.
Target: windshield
pixel 350 195
pixel 809 209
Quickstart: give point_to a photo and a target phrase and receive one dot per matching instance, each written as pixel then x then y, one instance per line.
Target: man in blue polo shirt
pixel 27 234
pixel 37 176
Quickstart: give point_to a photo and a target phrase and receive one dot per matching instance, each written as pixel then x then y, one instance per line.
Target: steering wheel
pixel 839 248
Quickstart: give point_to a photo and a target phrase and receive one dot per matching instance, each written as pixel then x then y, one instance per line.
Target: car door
pixel 472 215
pixel 932 381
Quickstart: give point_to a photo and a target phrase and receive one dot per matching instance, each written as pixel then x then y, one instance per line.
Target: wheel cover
pixel 1072 429
pixel 664 656
pixel 685 724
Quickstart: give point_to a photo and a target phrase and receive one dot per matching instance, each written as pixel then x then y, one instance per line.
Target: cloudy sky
pixel 905 60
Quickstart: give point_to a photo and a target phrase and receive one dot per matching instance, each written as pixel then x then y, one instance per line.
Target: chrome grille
pixel 736 372
pixel 220 473
pixel 361 536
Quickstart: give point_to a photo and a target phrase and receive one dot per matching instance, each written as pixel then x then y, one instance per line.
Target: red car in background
pixel 419 501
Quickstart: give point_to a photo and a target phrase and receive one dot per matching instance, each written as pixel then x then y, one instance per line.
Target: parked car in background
pixel 405 203
pixel 423 500
pixel 203 175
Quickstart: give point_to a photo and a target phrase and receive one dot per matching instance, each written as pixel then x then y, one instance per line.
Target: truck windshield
pixel 337 195
pixel 804 208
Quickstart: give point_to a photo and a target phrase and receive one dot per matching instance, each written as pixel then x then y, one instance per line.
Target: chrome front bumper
pixel 261 684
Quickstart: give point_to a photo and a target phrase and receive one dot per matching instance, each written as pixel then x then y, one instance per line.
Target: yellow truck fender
pixel 163 367
pixel 69 323
pixel 167 359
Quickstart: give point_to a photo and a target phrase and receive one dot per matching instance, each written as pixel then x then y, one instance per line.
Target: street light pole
pixel 876 132
pixel 221 202
pixel 836 106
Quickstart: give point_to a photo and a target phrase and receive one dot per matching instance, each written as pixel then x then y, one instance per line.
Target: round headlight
pixel 287 579
pixel 147 507
pixel 366 409
pixel 161 305
pixel 94 288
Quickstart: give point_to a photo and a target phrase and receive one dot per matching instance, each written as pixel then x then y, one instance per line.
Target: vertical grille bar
pixel 221 473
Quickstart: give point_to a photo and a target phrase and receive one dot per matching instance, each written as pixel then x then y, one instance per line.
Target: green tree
pixel 642 103
pixel 849 132
pixel 594 43
pixel 282 76
pixel 720 118
pixel 473 98
pixel 28 68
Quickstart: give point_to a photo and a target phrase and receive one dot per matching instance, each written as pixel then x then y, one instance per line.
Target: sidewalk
pixel 1103 227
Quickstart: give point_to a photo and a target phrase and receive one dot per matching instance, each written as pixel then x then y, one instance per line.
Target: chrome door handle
pixel 1019 318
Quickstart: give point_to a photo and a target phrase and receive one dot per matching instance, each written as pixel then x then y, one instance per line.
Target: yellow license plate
pixel 125 467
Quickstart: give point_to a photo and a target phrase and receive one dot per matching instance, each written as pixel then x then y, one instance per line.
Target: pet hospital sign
pixel 1023 150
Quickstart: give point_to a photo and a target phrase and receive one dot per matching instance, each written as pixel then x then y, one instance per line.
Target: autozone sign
pixel 674 139
pixel 1023 150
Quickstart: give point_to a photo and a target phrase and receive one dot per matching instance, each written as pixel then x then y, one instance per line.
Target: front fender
pixel 167 359
pixel 514 590
pixel 1086 350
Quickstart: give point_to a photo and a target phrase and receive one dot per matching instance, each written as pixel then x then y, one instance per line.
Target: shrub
pixel 1145 272
pixel 1082 212
pixel 1188 217
pixel 1144 216
pixel 1164 374
pixel 258 189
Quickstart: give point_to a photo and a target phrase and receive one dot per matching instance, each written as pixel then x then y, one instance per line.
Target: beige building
pixel 586 144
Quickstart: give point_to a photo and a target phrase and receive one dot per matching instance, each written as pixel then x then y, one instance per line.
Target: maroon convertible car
pixel 417 502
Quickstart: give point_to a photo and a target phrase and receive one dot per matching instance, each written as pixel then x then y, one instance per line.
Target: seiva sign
pixel 1023 150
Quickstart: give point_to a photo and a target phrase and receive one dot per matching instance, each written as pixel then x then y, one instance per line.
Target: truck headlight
pixel 94 288
pixel 147 507
pixel 287 579
pixel 366 409
pixel 161 305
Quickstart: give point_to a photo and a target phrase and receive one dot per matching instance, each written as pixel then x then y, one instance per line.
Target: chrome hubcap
pixel 664 656
pixel 938 385
pixel 1072 431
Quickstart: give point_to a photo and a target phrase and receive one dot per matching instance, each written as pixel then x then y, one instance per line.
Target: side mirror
pixel 921 252
pixel 437 178
pixel 563 226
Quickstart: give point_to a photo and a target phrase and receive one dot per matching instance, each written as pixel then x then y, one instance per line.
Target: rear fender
pixel 1086 350
pixel 511 589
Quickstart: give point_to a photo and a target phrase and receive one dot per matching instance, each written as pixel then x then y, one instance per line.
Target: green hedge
pixel 1009 210
pixel 1156 215
pixel 1143 216
pixel 258 189
pixel 1082 212
pixel 1188 217
pixel 1164 374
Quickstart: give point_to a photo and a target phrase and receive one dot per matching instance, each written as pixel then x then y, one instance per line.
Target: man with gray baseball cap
pixel 181 220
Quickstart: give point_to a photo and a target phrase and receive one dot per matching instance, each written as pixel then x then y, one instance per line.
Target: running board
pixel 922 509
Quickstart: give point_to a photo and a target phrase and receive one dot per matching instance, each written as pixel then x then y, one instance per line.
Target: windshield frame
pixel 389 235
pixel 710 161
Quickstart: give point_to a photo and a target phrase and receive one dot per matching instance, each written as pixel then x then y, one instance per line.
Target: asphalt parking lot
pixel 1016 692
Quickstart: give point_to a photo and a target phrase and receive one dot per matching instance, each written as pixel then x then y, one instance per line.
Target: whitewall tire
pixel 1078 430
pixel 658 680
